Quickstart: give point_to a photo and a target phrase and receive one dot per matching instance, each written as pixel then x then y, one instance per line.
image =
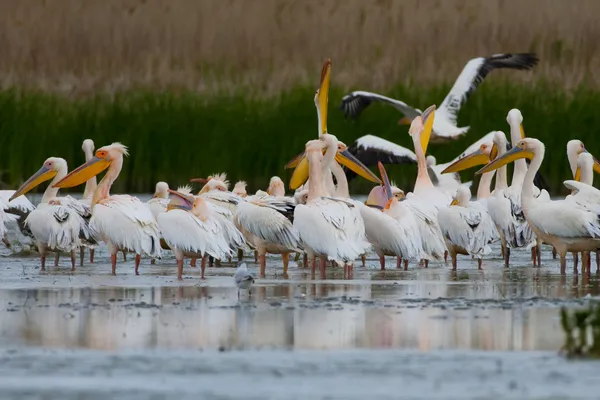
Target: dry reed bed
pixel 262 47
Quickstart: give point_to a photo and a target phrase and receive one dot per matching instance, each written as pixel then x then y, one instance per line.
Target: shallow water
pixel 422 333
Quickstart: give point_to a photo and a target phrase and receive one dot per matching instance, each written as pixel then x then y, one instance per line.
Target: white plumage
pixel 125 223
pixel 444 126
pixel 467 227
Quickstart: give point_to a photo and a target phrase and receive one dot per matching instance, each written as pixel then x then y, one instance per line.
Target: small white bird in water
pixel 243 278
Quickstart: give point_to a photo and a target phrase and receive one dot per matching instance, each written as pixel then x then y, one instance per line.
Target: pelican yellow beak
pixel 323 95
pixel 81 174
pixel 513 154
pixel 300 174
pixel 578 174
pixel 428 116
pixel 522 131
pixel 405 121
pixel 596 164
pixel 345 158
pixel 293 163
pixel 454 202
pixel 180 201
pixel 477 157
pixel 348 160
pixel 385 179
pixel 42 175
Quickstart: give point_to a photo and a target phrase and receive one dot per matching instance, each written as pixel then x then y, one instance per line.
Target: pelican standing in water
pixel 444 126
pixel 122 221
pixel 57 222
pixel 467 227
pixel 574 226
pixel 191 228
pixel 14 212
pixel 86 199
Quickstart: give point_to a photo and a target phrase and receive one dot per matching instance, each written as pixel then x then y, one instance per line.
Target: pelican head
pixel 276 187
pixel 240 189
pixel 216 182
pixel 88 148
pixel 200 209
pixel 398 193
pixel 481 156
pixel 421 126
pixel 301 197
pixel 161 191
pixel 462 197
pixel 180 200
pixel 515 118
pixel 575 147
pixel 104 158
pixel 51 167
pixel 525 148
pixel 431 161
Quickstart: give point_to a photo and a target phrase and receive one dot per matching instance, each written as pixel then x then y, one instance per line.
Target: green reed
pixel 177 135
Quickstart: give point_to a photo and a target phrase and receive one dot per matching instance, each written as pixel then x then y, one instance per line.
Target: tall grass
pixel 264 47
pixel 176 135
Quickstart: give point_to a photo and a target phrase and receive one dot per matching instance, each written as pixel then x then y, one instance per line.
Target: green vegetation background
pixel 177 135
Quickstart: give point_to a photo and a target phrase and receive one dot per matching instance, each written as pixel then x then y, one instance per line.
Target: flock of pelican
pixel 321 221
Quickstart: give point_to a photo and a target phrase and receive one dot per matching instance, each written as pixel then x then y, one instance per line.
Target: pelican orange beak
pixel 578 174
pixel 596 163
pixel 199 180
pixel 323 95
pixel 428 116
pixel 293 163
pixel 477 157
pixel 513 154
pixel 80 175
pixel 180 201
pixel 385 179
pixel 454 202
pixel 42 175
pixel 522 131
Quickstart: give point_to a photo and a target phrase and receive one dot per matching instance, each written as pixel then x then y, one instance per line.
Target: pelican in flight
pixel 444 127
pixel 467 227
pixel 57 222
pixel 122 221
pixel 574 225
pixel 191 228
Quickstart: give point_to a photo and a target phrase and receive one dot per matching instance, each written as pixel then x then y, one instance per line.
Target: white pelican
pixel 390 226
pixel 191 228
pixel 239 189
pixel 160 199
pixel 426 199
pixel 57 222
pixel 444 126
pixel 327 226
pixel 14 212
pixel 504 206
pixel 523 235
pixel 467 227
pixel 267 226
pixel 574 148
pixel 86 199
pixel 122 221
pixel 574 225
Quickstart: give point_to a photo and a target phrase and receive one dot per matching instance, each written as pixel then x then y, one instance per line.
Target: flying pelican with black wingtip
pixel 445 125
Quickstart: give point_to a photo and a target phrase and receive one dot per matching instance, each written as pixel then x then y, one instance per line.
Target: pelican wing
pixel 466 227
pixel 157 205
pixel 56 225
pixel 268 224
pixel 128 223
pixel 370 149
pixel 354 103
pixel 473 75
pixel 19 205
pixel 425 216
pixel 565 219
